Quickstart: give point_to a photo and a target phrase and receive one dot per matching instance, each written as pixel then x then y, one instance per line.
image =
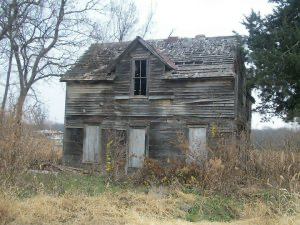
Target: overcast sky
pixel 187 18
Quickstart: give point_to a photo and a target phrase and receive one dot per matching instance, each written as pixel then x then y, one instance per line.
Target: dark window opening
pixel 140 79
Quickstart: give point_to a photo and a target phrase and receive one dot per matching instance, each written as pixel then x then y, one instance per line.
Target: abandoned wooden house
pixel 148 92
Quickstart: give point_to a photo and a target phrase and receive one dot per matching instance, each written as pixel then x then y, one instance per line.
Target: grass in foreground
pixel 29 185
pixel 215 208
pixel 78 199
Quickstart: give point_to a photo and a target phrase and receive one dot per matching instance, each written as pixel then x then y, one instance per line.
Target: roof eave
pixel 198 78
pixel 108 78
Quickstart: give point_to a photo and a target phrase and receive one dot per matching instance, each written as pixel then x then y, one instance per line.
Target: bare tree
pixel 7 83
pixel 8 15
pixel 44 39
pixel 38 116
pixel 148 24
pixel 12 14
pixel 123 18
pixel 44 36
pixel 122 22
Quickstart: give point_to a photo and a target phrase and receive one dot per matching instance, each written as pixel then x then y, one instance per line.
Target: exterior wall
pixel 170 107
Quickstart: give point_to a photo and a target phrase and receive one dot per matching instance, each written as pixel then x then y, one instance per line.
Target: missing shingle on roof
pixel 185 52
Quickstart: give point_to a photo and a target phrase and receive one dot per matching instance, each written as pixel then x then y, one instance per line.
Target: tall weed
pixel 231 164
pixel 21 146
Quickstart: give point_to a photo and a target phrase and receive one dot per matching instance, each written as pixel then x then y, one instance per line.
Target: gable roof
pixel 185 57
pixel 154 51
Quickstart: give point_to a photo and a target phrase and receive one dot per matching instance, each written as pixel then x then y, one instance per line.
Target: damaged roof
pixel 185 58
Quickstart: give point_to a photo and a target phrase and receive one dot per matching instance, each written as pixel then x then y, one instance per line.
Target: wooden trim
pixel 132 68
pixel 74 127
pixel 147 76
pixel 197 123
pixel 124 97
pixel 65 122
pixel 197 126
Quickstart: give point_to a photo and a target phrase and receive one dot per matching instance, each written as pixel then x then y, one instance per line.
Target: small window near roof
pixel 140 77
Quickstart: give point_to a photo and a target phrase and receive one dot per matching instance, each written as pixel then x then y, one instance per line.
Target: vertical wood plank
pixel 197 144
pixel 137 138
pixel 91 144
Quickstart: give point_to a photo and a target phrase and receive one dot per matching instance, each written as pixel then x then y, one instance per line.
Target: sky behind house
pixel 186 18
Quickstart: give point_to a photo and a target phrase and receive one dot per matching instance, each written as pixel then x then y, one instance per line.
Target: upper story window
pixel 140 77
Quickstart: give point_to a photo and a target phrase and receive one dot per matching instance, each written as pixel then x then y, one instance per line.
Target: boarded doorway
pixel 137 147
pixel 197 144
pixel 91 144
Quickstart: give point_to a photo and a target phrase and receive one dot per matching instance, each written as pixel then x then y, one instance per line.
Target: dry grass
pixel 6 210
pixel 230 167
pixel 117 208
pixel 21 147
pixel 156 207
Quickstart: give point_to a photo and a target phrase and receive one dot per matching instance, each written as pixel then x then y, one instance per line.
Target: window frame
pixel 132 78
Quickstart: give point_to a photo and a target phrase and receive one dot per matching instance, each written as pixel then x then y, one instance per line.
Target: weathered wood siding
pixel 163 138
pixel 137 147
pixel 197 144
pixel 89 99
pixel 169 108
pixel 73 146
pixel 91 144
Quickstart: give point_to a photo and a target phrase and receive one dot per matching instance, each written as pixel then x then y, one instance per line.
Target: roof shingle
pixel 193 57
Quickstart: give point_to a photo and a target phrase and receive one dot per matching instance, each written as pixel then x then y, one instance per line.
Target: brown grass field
pixel 122 208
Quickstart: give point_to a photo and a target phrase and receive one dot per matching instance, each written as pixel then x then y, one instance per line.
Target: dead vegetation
pixel 115 154
pixel 238 183
pixel 110 208
pixel 231 165
pixel 23 147
pixel 158 206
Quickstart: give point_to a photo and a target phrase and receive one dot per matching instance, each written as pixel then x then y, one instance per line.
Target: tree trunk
pixel 7 82
pixel 19 114
pixel 19 107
